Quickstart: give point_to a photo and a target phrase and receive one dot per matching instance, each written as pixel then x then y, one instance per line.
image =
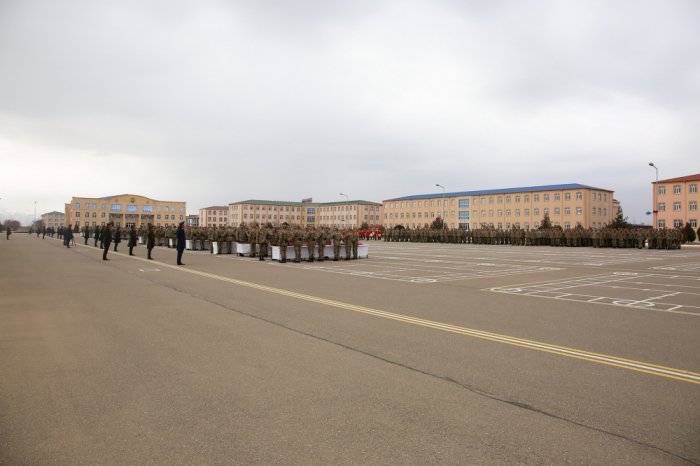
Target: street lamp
pixel 656 196
pixel 346 208
pixel 443 203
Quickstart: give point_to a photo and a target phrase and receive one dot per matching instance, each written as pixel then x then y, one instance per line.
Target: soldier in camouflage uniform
pixel 283 238
pixel 262 241
pixel 336 237
pixel 297 242
pixel 253 240
pixel 310 237
pixel 321 237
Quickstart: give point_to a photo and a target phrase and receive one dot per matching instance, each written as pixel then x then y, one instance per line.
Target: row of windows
pixel 465 214
pixel 309 210
pixel 464 203
pixel 130 208
pixel 213 212
pixel 677 206
pixel 679 223
pixel 678 189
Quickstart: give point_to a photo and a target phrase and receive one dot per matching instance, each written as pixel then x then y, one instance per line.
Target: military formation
pixel 577 237
pixel 260 238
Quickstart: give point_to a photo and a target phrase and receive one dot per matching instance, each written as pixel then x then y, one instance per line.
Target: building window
pixel 546 211
pixel 77 205
pixel 158 216
pixel 693 223
pixel 557 197
pixel 578 210
pixel 537 198
pixel 77 214
pixel 132 208
pixel 464 215
pixel 677 189
pixel 104 206
pixel 605 211
pixel 508 213
pixel 537 225
pixel 500 213
pixel 500 199
pixel 662 223
pixel 517 212
pixel 490 213
pixel 147 208
pixel 693 188
pixel 527 198
pixel 311 210
pixel 662 190
pixel 557 211
pixel 593 210
pixel 483 213
pixel 693 205
pixel 662 207
pixel 115 207
pixel 507 199
pixel 463 203
pixel 103 215
pixel 579 196
pixel 567 225
pixel 517 198
pixel 678 223
pixel 527 212
pixel 677 206
pixel 546 197
pixel 567 196
pixel 537 212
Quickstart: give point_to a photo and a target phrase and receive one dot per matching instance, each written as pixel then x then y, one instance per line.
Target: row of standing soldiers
pixel 260 237
pixel 577 237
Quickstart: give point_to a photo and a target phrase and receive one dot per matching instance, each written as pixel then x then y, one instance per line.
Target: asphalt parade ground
pixel 419 354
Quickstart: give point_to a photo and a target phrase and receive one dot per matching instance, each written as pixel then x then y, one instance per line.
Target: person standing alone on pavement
pixel 9 232
pixel 68 235
pixel 107 240
pixel 151 241
pixel 180 243
pixel 132 240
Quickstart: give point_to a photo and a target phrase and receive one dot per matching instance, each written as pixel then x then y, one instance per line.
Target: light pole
pixel 656 196
pixel 443 203
pixel 34 214
pixel 346 209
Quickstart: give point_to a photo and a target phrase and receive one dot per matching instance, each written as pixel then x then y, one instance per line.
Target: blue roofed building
pixel 567 205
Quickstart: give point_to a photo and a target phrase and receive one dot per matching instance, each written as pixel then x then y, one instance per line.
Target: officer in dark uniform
pixel 151 241
pixel 133 241
pixel 106 240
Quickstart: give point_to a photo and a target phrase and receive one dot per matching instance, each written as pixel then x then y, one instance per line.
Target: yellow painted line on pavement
pixel 663 371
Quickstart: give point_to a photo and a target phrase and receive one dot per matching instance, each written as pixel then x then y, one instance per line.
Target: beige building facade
pixel 53 219
pixel 349 214
pixel 214 216
pixel 124 210
pixel 678 200
pixel 567 205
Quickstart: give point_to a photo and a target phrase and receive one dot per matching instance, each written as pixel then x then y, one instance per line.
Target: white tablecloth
pixel 362 251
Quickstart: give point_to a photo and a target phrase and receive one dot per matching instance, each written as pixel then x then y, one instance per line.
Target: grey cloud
pixel 388 97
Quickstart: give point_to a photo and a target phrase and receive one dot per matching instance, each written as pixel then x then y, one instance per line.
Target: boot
pixel 311 259
pixel 283 261
pixel 335 259
pixel 262 258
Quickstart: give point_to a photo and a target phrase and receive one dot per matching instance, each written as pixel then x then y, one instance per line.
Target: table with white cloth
pixel 362 251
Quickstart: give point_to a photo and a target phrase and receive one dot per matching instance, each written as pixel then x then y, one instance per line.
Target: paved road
pixel 233 361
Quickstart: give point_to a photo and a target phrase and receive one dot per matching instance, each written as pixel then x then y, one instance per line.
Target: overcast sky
pixel 214 102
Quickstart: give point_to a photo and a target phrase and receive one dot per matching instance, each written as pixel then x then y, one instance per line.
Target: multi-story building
pixel 214 216
pixel 124 210
pixel 678 200
pixel 192 220
pixel 344 214
pixel 566 205
pixel 53 219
